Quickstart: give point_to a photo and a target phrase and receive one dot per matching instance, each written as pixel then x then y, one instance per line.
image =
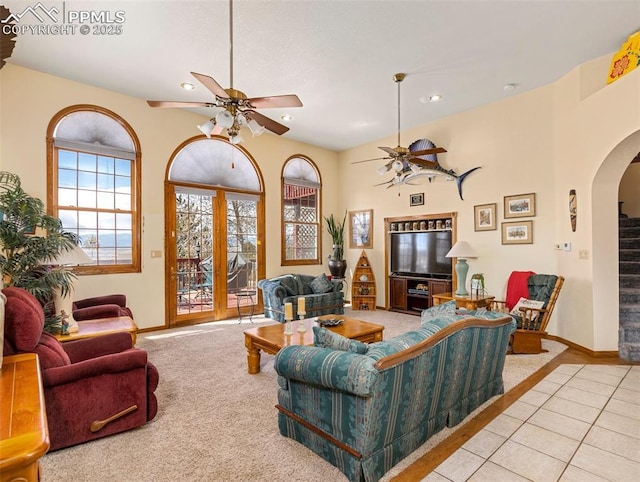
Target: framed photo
pixel 361 229
pixel 520 206
pixel 484 216
pixel 416 199
pixel 517 232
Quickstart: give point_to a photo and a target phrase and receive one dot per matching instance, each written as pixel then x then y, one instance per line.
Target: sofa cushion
pixel 288 281
pixel 321 284
pixel 325 338
pixel 445 309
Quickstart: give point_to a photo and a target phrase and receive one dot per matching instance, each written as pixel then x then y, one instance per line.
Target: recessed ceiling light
pixel 286 117
pixel 187 86
pixel 509 87
pixel 431 98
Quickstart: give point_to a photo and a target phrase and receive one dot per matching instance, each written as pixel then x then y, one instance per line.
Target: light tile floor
pixel 581 423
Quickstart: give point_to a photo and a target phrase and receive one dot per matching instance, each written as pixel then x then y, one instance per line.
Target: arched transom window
pixel 93 158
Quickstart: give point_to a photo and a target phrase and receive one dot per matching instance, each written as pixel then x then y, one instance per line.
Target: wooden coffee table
pixel 102 326
pixel 271 338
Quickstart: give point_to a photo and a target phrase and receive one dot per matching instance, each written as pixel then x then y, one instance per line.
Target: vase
pixel 338 267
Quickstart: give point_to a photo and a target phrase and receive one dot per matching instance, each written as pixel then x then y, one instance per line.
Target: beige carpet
pixel 218 423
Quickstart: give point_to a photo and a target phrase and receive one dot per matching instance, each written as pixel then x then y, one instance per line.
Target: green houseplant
pixel 337 265
pixel 30 241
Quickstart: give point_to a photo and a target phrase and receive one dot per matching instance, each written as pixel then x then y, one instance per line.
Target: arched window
pixel 301 214
pixel 93 172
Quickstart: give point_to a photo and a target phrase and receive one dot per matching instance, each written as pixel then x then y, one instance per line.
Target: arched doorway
pixel 605 239
pixel 214 216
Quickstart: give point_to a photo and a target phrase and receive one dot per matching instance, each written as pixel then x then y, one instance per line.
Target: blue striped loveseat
pixel 364 409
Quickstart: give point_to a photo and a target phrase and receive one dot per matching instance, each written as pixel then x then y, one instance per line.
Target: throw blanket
pixel 517 287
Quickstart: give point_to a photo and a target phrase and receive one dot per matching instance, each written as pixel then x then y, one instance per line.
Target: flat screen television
pixel 421 253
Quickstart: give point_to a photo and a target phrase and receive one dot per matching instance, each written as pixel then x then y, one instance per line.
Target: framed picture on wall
pixel 416 199
pixel 361 229
pixel 517 232
pixel 520 206
pixel 484 217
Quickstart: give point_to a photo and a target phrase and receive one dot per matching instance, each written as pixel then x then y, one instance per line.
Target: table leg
pixel 253 356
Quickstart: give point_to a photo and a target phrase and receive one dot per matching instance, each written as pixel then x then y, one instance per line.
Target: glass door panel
pixel 242 252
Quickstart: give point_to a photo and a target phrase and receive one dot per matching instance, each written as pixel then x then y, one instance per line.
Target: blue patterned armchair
pixel 322 296
pixel 364 408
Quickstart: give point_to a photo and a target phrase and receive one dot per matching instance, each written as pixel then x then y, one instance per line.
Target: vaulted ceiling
pixel 339 56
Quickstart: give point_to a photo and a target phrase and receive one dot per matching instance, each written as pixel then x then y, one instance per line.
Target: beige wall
pixel 28 101
pixel 560 137
pixel 573 134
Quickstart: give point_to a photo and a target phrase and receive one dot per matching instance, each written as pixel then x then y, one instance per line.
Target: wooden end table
pixel 24 436
pixel 102 326
pixel 467 302
pixel 271 338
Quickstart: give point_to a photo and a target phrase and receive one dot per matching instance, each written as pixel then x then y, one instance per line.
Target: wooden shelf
pixel 363 285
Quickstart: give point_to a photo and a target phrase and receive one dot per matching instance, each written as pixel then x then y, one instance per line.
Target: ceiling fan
pixel 238 109
pixel 398 156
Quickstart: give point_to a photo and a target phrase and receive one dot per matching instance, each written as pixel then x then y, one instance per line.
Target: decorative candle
pixel 301 306
pixel 288 311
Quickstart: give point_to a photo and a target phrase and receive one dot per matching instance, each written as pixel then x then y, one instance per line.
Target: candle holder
pixel 301 327
pixel 287 327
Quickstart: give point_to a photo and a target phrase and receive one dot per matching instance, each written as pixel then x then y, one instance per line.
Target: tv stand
pixel 414 293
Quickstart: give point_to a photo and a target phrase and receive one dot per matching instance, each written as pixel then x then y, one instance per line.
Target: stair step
pixel 629 351
pixel 628 222
pixel 629 280
pixel 629 296
pixel 630 232
pixel 628 243
pixel 629 267
pixel 630 332
pixel 630 254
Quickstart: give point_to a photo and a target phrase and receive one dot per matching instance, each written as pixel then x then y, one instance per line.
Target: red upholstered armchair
pixel 92 387
pixel 101 307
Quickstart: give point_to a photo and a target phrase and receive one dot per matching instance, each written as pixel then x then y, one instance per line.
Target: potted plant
pixel 30 242
pixel 337 265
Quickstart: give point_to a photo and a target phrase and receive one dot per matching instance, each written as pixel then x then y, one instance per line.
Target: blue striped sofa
pixel 364 410
pixel 322 297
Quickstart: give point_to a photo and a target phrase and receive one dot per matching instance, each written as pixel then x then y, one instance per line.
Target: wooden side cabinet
pixel 398 291
pixel 24 437
pixel 412 294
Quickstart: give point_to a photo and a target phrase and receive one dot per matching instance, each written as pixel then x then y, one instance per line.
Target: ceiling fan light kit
pixel 238 109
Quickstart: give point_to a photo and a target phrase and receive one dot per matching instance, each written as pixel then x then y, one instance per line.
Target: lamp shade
pixel 72 257
pixel 224 119
pixel 207 127
pixel 461 250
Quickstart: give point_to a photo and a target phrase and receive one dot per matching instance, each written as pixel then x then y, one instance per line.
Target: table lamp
pixel 461 250
pixel 73 257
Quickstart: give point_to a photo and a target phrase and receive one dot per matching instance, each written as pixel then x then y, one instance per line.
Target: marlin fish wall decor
pixel 414 167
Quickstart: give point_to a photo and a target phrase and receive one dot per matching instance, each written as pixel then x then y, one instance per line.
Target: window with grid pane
pixel 93 168
pixel 300 212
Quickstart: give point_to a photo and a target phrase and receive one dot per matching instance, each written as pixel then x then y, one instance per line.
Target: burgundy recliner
pixel 107 306
pixel 93 387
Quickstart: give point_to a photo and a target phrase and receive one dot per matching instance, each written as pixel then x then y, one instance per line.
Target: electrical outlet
pixel 156 253
pixel 583 254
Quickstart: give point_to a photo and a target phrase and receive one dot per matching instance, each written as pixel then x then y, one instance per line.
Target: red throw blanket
pixel 517 287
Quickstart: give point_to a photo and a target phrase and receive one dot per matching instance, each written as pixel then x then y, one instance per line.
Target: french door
pixel 212 254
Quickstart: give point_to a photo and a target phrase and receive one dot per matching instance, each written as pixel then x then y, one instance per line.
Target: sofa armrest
pixel 272 288
pixel 328 368
pixel 96 312
pixel 87 348
pixel 338 285
pixel 93 367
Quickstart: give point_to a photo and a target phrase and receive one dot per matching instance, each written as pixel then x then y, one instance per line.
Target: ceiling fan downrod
pixel 397 78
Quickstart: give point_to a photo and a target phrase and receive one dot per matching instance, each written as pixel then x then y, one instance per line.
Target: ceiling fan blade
pixel 275 101
pixel 423 163
pixel 211 84
pixel 389 150
pixel 164 103
pixel 265 122
pixel 369 160
pixel 425 152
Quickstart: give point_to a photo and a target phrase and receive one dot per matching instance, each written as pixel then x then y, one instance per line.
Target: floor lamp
pixel 73 257
pixel 461 250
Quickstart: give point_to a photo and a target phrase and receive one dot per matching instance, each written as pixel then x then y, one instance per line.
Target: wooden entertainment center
pixel 412 293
